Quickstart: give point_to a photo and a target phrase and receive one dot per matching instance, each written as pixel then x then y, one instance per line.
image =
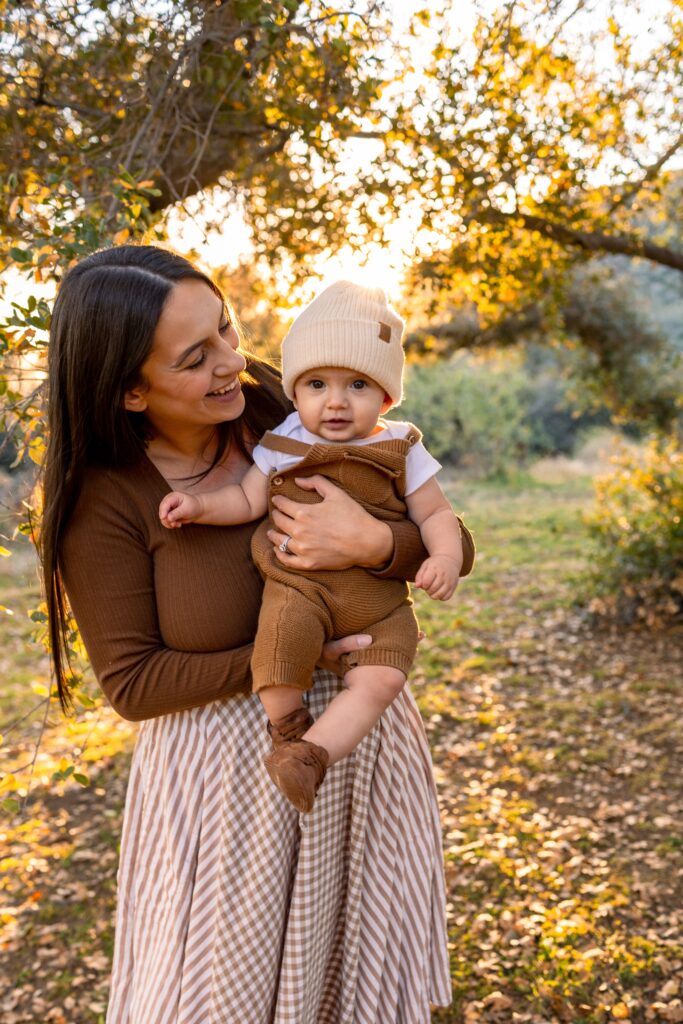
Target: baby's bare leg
pixel 279 701
pixel 369 690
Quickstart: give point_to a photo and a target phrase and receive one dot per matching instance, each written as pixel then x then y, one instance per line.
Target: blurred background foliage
pixel 533 148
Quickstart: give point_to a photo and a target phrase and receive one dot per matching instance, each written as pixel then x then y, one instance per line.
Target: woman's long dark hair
pixel 102 329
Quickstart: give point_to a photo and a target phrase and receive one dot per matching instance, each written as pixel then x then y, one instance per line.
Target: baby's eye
pixel 358 385
pixel 316 384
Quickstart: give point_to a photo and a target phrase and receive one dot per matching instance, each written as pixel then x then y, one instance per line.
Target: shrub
pixel 496 412
pixel 555 422
pixel 638 527
pixel 469 412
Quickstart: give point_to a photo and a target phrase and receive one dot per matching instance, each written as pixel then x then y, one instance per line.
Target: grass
pixel 559 767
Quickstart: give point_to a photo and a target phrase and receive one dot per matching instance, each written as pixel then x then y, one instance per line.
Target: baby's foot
pixel 290 727
pixel 298 769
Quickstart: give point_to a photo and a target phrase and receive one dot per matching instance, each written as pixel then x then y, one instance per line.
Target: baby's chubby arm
pixel 234 503
pixel 429 509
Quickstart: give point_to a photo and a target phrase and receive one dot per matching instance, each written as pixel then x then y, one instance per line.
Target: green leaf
pixel 20 255
pixel 82 780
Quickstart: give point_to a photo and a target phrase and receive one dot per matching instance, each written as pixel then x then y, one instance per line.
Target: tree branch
pixel 465 332
pixel 589 241
pixel 650 172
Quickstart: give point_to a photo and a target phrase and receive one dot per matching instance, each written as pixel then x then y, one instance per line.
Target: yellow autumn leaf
pixel 621 1011
pixel 121 236
pixel 8 783
pixel 36 451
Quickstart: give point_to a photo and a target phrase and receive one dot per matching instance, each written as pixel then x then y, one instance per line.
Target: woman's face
pixel 192 373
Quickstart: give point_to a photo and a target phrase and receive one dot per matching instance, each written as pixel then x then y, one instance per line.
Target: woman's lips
pixel 227 393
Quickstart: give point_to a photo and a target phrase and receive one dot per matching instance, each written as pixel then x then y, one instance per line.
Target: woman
pixel 231 908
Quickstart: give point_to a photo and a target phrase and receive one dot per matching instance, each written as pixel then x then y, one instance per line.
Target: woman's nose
pixel 230 360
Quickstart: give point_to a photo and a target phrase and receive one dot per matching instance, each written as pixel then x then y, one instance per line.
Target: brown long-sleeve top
pixel 168 616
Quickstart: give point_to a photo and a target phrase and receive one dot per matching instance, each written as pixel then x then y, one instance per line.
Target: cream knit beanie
pixel 349 326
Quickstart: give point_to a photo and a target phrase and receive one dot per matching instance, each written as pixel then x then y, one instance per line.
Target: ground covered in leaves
pixel 559 763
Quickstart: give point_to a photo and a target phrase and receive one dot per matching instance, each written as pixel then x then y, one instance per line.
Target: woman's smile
pixel 192 373
pixel 226 391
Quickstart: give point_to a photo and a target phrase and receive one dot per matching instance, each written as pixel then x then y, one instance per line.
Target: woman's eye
pixel 224 328
pixel 197 363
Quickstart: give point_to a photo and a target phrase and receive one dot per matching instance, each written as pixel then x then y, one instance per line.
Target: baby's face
pixel 339 404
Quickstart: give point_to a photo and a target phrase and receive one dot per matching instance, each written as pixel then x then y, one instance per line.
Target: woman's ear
pixel 134 400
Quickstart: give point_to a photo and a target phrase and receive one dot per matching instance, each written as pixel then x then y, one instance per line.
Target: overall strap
pixel 286 445
pixel 413 435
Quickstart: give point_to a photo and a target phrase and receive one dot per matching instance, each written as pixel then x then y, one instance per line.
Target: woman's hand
pixel 335 533
pixel 333 650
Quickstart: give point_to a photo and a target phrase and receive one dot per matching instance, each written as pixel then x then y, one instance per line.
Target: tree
pixel 252 94
pixel 114 111
pixel 540 141
pixel 544 140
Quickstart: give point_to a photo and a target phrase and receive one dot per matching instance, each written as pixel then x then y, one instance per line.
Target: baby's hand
pixel 178 508
pixel 439 576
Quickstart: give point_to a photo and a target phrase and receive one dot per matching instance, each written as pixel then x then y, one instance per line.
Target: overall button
pixel 277 481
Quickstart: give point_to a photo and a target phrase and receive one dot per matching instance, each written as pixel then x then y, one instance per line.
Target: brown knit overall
pixel 301 611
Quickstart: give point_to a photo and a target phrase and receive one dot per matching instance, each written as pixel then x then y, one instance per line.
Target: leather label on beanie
pixel 384 332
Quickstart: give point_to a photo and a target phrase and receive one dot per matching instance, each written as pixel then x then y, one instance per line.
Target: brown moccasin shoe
pixel 297 769
pixel 290 727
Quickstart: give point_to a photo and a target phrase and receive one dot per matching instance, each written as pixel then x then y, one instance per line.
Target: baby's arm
pixel 428 507
pixel 235 503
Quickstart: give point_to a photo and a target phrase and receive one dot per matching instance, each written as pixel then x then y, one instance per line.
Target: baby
pixel 342 366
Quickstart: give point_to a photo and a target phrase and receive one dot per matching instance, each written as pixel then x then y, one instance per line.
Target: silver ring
pixel 285 545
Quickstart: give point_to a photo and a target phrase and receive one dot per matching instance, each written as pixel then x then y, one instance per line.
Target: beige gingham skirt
pixel 233 909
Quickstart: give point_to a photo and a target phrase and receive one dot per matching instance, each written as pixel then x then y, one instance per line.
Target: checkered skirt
pixel 233 909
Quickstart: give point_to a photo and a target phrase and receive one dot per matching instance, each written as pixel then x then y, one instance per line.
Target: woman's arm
pixel 337 533
pixel 108 574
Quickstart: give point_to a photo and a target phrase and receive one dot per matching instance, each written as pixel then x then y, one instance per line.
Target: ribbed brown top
pixel 168 616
